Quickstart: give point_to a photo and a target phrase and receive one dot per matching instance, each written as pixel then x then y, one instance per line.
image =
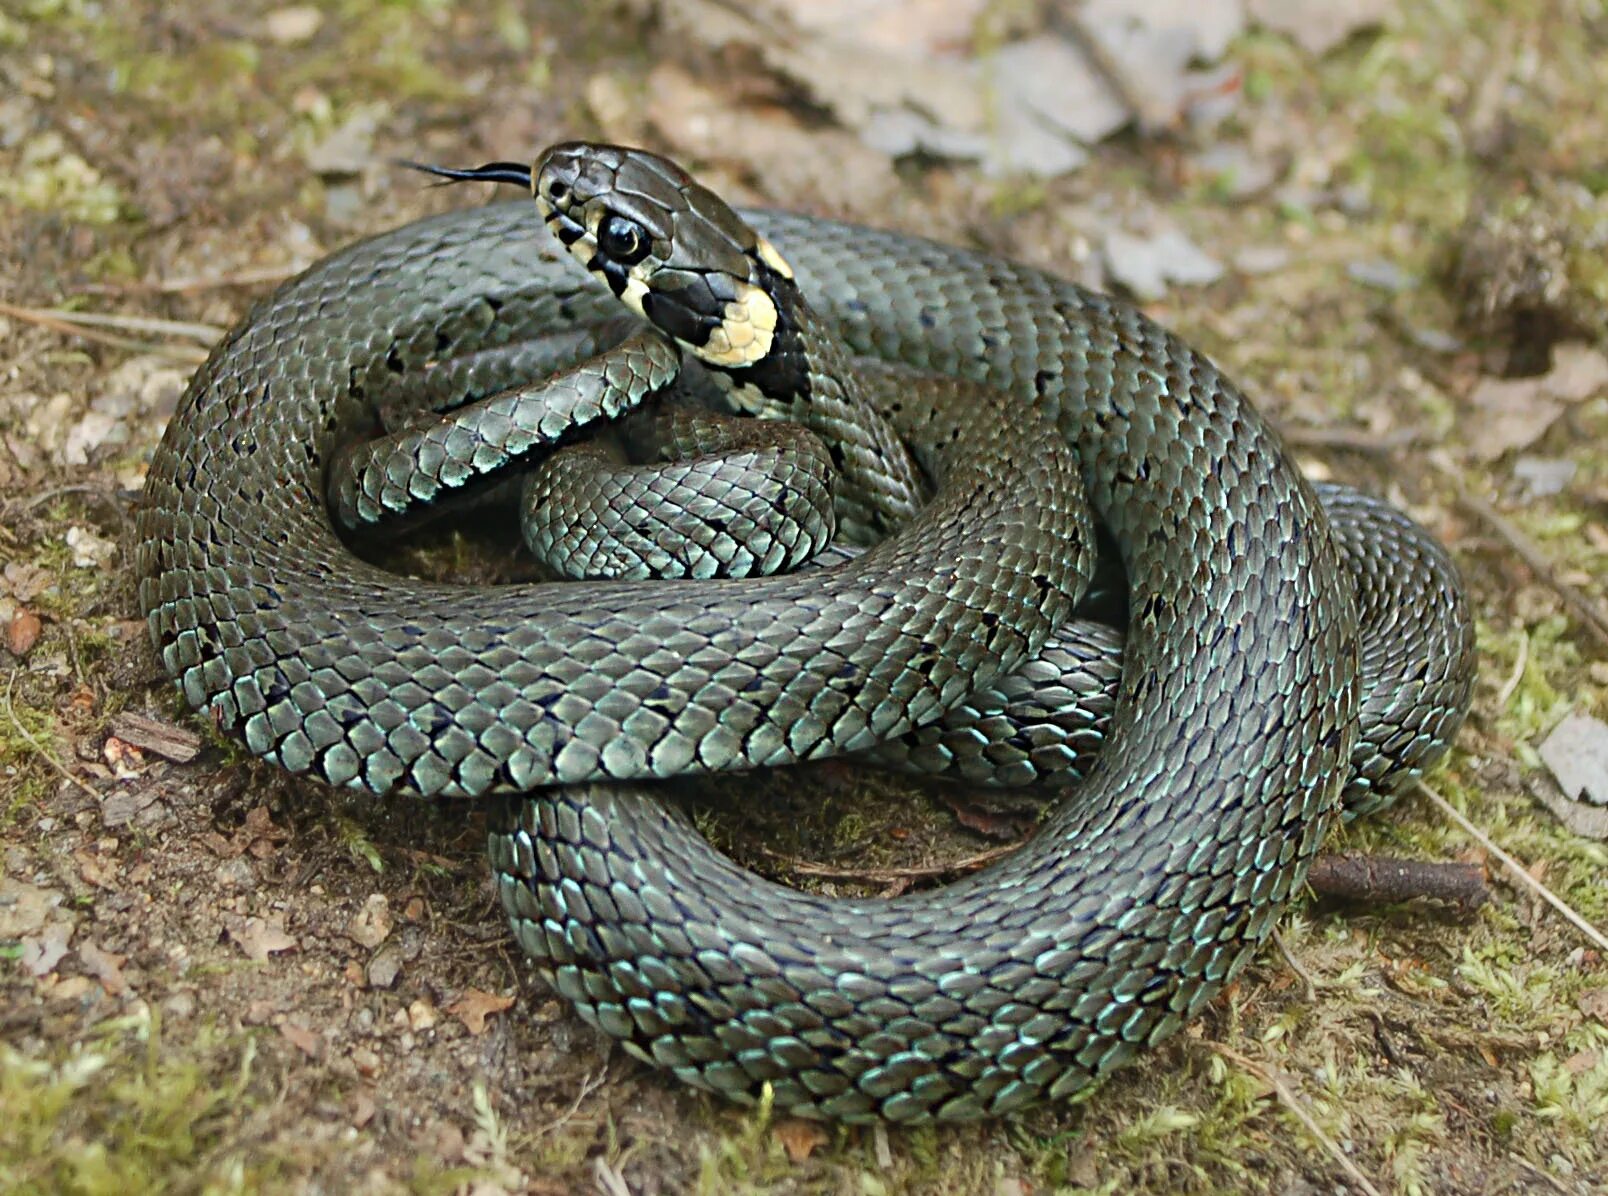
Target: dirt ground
pixel 218 979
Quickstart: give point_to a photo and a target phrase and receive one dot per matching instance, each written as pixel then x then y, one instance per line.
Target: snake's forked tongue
pixel 517 173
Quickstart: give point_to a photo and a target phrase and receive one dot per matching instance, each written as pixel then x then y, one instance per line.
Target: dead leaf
pixel 1514 413
pixel 1576 753
pixel 1581 1062
pixel 43 951
pixel 257 835
pixel 799 1137
pixel 1579 371
pixel 24 581
pixel 22 633
pixel 349 147
pixel 1002 827
pixel 1318 26
pixel 806 165
pixel 444 1141
pixel 138 807
pixel 1595 1004
pixel 263 836
pixel 102 872
pixel 24 907
pixel 124 759
pixel 1035 70
pixel 1147 265
pixel 900 94
pixel 258 938
pixel 475 1006
pixel 1157 41
pixel 303 1039
pixel 915 27
pixel 105 967
pixel 1544 477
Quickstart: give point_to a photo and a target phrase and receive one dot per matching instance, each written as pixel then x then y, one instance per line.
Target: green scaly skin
pixel 1231 739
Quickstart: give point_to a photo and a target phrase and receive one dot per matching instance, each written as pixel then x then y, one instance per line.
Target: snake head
pixel 670 249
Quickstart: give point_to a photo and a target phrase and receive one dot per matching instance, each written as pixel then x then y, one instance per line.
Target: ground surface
pixel 219 979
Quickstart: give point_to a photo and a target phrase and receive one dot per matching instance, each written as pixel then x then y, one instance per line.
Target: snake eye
pixel 625 241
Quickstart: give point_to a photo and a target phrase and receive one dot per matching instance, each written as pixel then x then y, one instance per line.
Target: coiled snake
pixel 1226 745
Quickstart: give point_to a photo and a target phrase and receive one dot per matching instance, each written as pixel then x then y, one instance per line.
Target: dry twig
pixel 1372 878
pixel 1516 869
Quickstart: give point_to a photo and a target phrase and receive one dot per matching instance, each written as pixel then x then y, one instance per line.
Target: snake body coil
pixel 1231 738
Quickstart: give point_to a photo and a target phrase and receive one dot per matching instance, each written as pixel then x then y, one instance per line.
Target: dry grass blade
pixel 91 326
pixel 1291 1102
pixel 1516 869
pixel 39 748
pixel 884 876
pixel 207 334
pixel 209 282
pixel 1578 603
pixel 1302 436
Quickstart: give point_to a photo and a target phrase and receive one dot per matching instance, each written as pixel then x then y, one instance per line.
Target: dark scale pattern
pixel 434 455
pixel 1146 889
pixel 1045 723
pixel 720 497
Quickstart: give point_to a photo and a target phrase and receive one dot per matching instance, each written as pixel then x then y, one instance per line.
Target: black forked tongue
pixel 517 173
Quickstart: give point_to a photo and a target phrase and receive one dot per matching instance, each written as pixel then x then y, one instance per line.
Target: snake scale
pixel 1226 743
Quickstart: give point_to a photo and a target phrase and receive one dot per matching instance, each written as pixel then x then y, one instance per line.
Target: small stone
pixel 348 147
pixel 1380 274
pixel 386 966
pixel 422 1015
pixel 89 550
pixel 1544 476
pixel 1236 171
pixel 292 26
pixel 91 432
pixel 372 923
pixel 1261 259
pixel 366 1062
pixel 22 633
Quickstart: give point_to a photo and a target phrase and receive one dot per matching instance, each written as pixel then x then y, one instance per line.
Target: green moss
pixel 126 1113
pixel 217 74
pixel 354 838
pixel 49 177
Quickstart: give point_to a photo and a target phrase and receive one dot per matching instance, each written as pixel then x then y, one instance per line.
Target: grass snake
pixel 1229 728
